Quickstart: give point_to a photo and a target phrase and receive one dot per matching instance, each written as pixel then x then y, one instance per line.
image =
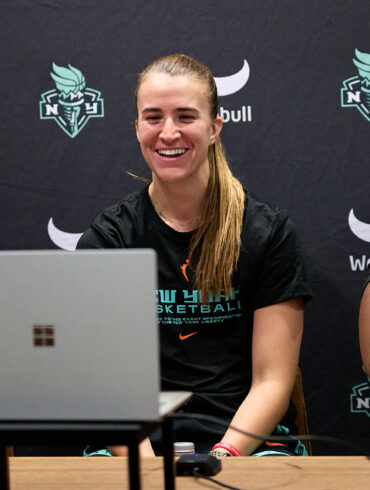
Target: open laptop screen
pixel 78 335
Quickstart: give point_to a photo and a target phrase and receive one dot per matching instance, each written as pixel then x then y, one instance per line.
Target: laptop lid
pixel 78 335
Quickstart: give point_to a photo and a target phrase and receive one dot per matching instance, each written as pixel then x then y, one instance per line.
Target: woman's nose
pixel 169 130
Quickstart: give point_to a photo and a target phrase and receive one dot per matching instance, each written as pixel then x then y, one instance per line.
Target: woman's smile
pixel 171 153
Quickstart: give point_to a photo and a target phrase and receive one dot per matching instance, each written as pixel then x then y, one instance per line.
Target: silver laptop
pixel 79 337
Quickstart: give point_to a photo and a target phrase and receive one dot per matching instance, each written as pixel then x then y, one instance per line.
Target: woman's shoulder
pixel 119 224
pixel 271 250
pixel 124 210
pixel 263 215
pixel 267 227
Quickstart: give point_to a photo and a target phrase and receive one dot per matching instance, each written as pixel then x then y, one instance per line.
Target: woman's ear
pixel 216 129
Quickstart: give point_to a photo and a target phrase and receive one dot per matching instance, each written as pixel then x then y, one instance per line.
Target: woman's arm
pixel 277 334
pixel 364 329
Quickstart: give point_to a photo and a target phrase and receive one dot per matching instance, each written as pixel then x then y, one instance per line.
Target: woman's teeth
pixel 172 153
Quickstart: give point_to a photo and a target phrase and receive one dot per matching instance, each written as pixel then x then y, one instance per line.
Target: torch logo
pixel 360 399
pixel 71 104
pixel 356 91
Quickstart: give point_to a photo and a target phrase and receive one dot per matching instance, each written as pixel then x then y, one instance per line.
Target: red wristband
pixel 225 445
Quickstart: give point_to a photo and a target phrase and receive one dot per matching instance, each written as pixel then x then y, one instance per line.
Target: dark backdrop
pixel 298 139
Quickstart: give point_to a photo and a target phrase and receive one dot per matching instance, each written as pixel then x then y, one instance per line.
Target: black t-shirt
pixel 206 348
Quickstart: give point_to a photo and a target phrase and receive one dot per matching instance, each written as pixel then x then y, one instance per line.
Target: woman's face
pixel 174 127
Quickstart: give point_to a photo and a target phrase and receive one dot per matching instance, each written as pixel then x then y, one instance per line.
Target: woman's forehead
pixel 157 85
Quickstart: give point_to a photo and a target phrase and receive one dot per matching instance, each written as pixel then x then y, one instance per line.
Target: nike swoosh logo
pixel 183 337
pixel 359 228
pixel 66 241
pixel 233 83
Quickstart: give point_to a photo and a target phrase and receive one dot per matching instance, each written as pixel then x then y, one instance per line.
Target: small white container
pixel 181 448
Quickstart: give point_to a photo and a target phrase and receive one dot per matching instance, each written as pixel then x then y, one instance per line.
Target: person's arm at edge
pixel 277 334
pixel 364 329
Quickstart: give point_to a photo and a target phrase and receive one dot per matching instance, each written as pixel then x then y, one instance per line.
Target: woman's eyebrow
pixel 187 109
pixel 179 109
pixel 151 109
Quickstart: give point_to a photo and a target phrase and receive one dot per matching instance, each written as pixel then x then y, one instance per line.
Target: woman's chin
pixel 182 175
pixel 171 177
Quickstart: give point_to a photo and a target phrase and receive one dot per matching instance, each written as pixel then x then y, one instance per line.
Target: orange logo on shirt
pixel 183 269
pixel 183 337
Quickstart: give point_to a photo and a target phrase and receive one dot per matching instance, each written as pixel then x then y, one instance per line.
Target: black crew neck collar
pixel 186 235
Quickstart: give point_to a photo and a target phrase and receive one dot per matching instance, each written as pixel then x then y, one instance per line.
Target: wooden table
pixel 298 473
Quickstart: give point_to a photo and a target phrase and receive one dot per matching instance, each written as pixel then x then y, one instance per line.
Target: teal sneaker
pixel 92 451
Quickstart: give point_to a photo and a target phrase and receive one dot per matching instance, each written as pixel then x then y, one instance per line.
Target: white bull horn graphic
pixel 231 84
pixel 359 228
pixel 62 239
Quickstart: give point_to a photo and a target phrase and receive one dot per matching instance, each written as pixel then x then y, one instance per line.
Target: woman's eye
pixel 186 117
pixel 153 118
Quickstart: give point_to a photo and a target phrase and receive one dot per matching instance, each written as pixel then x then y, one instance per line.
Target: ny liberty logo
pixel 356 91
pixel 71 104
pixel 360 399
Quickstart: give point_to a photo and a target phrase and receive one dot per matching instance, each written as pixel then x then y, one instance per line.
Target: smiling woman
pixel 231 282
pixel 175 129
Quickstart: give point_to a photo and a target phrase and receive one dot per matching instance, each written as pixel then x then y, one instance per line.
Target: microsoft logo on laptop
pixel 43 336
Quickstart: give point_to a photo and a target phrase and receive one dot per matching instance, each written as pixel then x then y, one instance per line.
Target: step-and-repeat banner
pixel 294 83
